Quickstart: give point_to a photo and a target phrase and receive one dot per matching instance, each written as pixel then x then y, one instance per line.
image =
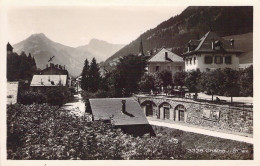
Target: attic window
pixel 166 55
pixel 218 45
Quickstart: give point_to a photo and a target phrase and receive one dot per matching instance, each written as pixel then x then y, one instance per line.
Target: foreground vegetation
pixel 202 147
pixel 44 132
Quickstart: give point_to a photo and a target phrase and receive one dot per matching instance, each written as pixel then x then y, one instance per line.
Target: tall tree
pixel 166 77
pixel 209 83
pixel 128 73
pixel 94 76
pixel 192 81
pixel 179 78
pixel 231 83
pixel 147 83
pixel 85 76
pixel 246 82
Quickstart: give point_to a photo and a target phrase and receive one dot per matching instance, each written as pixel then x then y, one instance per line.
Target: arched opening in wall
pixel 165 110
pixel 149 108
pixel 179 113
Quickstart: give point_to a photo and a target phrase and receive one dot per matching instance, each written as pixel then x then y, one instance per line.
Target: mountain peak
pixel 97 41
pixel 38 35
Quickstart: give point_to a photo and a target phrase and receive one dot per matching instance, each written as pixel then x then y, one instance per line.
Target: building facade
pixel 165 60
pixel 54 70
pixel 211 52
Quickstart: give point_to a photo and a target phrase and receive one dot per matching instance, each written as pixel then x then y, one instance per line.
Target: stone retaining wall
pixel 201 114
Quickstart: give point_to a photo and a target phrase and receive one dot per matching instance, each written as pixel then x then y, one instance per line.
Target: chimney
pixel 64 67
pixel 232 42
pixel 123 106
pixel 166 55
pixel 189 47
pixel 213 44
pixel 47 66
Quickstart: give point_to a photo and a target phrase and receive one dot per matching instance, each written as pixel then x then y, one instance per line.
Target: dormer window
pixel 232 42
pixel 166 55
pixel 217 45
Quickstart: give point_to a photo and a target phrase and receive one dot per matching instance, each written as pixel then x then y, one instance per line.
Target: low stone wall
pixel 201 114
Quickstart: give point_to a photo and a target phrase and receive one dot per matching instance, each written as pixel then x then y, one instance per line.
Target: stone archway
pixel 180 113
pixel 149 108
pixel 165 111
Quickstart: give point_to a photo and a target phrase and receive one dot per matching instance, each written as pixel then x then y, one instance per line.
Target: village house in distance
pixel 51 76
pixel 165 60
pixel 211 52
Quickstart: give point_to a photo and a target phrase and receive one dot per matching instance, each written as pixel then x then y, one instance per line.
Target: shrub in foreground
pixel 43 132
pixel 30 97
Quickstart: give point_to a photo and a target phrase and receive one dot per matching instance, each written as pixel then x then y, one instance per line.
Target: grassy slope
pixel 198 142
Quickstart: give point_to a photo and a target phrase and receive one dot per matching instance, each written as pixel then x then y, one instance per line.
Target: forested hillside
pixel 192 23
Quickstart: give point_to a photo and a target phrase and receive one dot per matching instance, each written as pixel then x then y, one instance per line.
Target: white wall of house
pixel 199 62
pixel 173 67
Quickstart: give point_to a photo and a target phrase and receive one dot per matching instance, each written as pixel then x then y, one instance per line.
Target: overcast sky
pixel 75 26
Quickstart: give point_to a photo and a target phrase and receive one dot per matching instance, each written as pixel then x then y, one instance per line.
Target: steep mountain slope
pixel 192 23
pixel 43 48
pixel 101 50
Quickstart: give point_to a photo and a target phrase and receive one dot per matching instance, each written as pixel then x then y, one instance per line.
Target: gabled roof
pixel 49 80
pixel 205 44
pixel 111 109
pixel 160 57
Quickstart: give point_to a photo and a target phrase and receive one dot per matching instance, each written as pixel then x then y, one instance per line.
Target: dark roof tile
pixel 111 109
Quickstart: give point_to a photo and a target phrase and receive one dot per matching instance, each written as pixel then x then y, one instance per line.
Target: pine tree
pixel 94 76
pixel 85 76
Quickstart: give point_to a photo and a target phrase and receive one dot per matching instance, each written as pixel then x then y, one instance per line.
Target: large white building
pixel 165 60
pixel 211 52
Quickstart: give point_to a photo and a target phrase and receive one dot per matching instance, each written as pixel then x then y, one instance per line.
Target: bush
pixel 147 83
pixel 30 97
pixel 42 132
pixel 58 95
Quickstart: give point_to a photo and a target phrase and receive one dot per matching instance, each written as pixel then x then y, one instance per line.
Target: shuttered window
pixel 208 59
pixel 228 59
pixel 218 59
